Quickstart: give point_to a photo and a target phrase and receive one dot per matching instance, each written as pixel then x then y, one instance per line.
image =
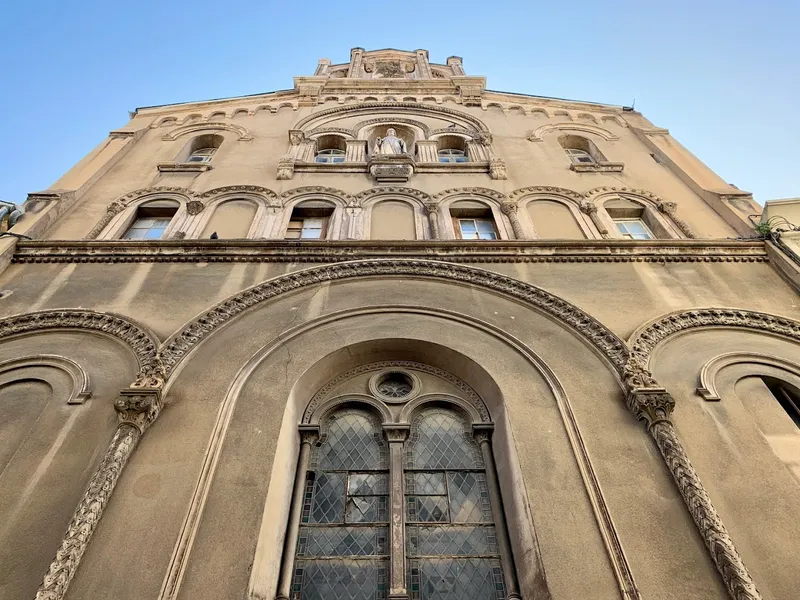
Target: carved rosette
pixel 671 210
pixel 112 211
pixel 194 207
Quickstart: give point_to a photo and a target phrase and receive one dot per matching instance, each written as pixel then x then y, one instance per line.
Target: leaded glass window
pixel 451 543
pixel 343 542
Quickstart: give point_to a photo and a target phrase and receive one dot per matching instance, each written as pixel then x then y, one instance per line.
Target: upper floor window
pixel 150 222
pixel 477 229
pixel 473 220
pixel 633 229
pixel 309 221
pixel 452 156
pixel 201 155
pixel 580 150
pixel 331 155
pixel 579 156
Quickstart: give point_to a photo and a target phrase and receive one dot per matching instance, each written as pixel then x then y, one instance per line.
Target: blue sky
pixel 724 77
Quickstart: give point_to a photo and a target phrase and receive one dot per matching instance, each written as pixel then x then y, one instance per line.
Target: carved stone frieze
pixel 546 189
pixel 362 197
pixel 311 190
pixel 471 191
pixel 598 167
pixel 241 189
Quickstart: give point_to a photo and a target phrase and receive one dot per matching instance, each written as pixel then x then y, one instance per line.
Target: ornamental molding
pixel 404 107
pixel 708 374
pixel 170 191
pixel 265 193
pixel 537 135
pixel 607 344
pixel 471 191
pixel 318 190
pixel 171 136
pixel 394 190
pixel 142 342
pixel 337 131
pixel 645 339
pixel 470 395
pixel 391 120
pixel 596 193
pixel 80 378
pixel 500 251
pixel 545 190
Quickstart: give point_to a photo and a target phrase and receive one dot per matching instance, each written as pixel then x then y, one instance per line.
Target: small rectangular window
pixel 304 226
pixel 149 224
pixel 477 229
pixel 633 229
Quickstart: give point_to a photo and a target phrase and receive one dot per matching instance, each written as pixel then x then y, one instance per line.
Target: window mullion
pixel 396 435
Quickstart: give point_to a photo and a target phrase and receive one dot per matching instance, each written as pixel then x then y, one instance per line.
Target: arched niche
pixel 392 220
pixel 554 220
pixel 231 219
pixel 200 147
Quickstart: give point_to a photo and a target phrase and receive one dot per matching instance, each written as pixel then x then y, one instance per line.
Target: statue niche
pixel 390 144
pixel 390 160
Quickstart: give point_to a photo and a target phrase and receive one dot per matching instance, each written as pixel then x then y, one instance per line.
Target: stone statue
pixel 12 211
pixel 390 145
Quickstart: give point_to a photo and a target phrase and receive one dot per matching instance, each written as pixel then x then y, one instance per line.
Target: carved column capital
pixel 652 405
pixel 396 432
pixel 588 208
pixel 431 209
pixel 482 432
pixel 309 434
pixel 139 407
pixel 285 168
pixel 509 208
pixel 668 208
pixel 296 136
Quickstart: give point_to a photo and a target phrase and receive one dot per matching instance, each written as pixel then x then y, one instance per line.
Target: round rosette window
pixel 394 385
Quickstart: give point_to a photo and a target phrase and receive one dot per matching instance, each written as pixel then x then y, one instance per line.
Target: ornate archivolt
pixel 708 374
pixel 171 136
pixel 537 135
pixel 662 210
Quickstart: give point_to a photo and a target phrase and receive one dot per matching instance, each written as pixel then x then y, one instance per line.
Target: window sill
pixel 599 167
pixel 172 167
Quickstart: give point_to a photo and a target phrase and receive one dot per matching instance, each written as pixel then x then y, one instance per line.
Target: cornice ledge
pixel 510 251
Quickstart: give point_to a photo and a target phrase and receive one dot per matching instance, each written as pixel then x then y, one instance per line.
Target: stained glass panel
pixel 426 509
pixel 425 484
pixel 340 580
pixel 352 442
pixel 436 540
pixel 456 579
pixel 366 509
pixel 440 440
pixel 469 498
pixel 342 541
pixel 328 500
pixel 368 484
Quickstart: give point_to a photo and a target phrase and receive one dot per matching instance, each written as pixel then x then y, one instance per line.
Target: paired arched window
pixel 345 546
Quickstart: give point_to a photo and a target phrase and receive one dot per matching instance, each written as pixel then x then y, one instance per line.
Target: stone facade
pixel 163 398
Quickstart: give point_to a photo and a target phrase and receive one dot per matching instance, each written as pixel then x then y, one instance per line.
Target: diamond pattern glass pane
pixel 456 579
pixel 352 441
pixel 469 498
pixel 342 541
pixel 340 580
pixel 328 502
pixel 366 509
pixel 436 540
pixel 425 484
pixel 440 440
pixel 426 509
pixel 368 484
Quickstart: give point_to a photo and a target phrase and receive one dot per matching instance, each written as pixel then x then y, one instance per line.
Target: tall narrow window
pixel 787 396
pixel 451 543
pixel 343 545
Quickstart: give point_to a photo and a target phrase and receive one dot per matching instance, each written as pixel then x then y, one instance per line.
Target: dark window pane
pixel 340 580
pixel 456 579
pixel 469 498
pixel 426 509
pixel 342 541
pixel 352 441
pixel 440 440
pixel 434 540
pixel 366 509
pixel 328 505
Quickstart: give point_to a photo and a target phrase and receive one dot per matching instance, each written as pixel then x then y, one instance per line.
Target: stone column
pixel 591 210
pixel 427 151
pixel 510 210
pixel 483 435
pixel 137 409
pixel 671 210
pixel 432 210
pixel 654 405
pixel 309 434
pixel 355 151
pixel 112 211
pixel 396 435
pixel 454 62
pixel 356 59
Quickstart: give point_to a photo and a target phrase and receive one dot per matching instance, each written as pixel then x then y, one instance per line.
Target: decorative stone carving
pixel 591 210
pixel 471 191
pixel 137 410
pixel 296 137
pixel 395 69
pixel 432 210
pixel 651 405
pixel 265 193
pixel 510 210
pixel 390 145
pixel 497 168
pixel 471 95
pixel 316 190
pixel 671 210
pixel 285 169
pixel 194 207
pixel 112 211
pixel 391 168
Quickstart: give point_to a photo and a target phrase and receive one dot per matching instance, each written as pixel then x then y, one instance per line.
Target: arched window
pixel 200 149
pixel 632 220
pixel 451 541
pixel 787 396
pixel 580 150
pixel 201 155
pixel 579 156
pixel 473 220
pixel 343 543
pixel 330 149
pixel 151 220
pixel 449 155
pixel 309 220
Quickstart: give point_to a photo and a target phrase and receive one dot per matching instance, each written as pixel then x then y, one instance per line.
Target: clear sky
pixel 724 77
